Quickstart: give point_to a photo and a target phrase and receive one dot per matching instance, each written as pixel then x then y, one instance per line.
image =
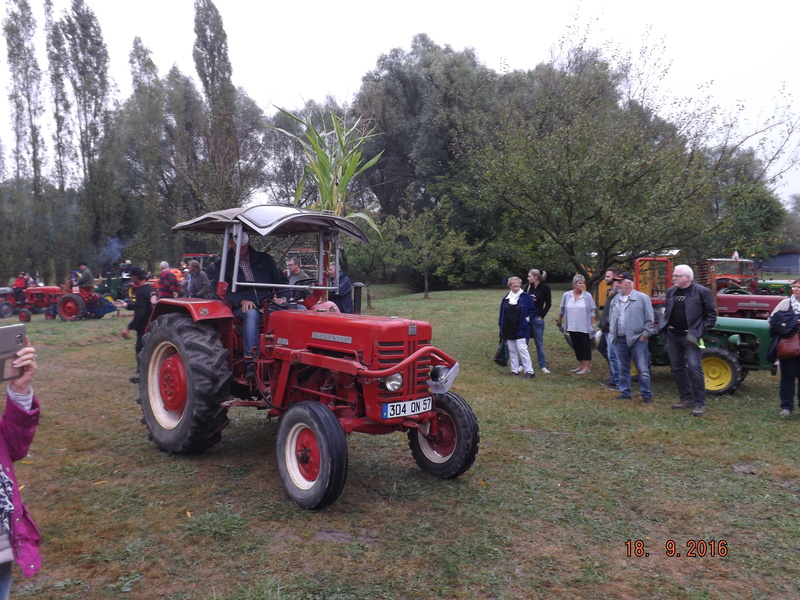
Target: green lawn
pixel 566 475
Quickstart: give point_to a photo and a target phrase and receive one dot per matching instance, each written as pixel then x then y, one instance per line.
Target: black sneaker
pixel 683 404
pixel 134 379
pixel 530 375
pixel 699 410
pixel 621 397
pixel 647 400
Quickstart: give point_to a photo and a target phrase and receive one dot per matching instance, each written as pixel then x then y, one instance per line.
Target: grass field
pixel 565 477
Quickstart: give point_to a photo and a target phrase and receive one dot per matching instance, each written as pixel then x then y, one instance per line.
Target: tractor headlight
pixel 439 372
pixel 392 382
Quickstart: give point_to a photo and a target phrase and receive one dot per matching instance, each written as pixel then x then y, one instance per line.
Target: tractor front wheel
pixel 452 450
pixel 183 379
pixel 71 307
pixel 312 455
pixel 25 315
pixel 722 371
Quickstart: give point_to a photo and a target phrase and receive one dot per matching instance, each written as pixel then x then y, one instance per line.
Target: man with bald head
pixel 690 312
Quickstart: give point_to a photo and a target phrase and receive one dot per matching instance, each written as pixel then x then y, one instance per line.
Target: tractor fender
pixel 200 309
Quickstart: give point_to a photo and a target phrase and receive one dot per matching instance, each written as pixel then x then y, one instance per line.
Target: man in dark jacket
pixel 142 307
pixel 342 298
pixel 690 312
pixel 246 301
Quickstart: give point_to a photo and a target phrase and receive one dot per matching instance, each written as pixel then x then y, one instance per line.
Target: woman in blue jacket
pixel 517 310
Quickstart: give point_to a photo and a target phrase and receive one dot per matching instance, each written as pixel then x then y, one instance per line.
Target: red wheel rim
pixel 445 442
pixel 69 308
pixel 24 317
pixel 306 451
pixel 172 383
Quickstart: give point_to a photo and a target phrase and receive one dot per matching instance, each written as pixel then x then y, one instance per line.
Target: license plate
pixel 394 410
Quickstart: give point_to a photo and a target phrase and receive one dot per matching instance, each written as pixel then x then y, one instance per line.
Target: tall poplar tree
pixel 57 60
pixel 25 96
pixel 87 71
pixel 214 69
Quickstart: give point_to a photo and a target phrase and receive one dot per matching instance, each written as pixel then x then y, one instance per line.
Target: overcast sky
pixel 284 53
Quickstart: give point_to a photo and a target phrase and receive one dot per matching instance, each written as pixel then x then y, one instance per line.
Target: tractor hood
pixel 267 219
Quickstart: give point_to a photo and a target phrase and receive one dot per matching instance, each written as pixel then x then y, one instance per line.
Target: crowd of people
pixel 626 325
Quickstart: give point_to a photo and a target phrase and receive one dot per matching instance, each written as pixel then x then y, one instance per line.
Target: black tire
pixel 6 309
pixel 71 307
pixel 125 291
pixel 183 378
pixel 722 371
pixel 455 450
pixel 312 455
pixel 25 315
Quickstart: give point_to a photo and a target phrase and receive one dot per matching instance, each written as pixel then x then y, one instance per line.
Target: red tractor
pixel 321 373
pixel 29 301
pixel 82 303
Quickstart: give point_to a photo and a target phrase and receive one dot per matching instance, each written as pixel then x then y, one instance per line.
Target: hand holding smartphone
pixel 12 340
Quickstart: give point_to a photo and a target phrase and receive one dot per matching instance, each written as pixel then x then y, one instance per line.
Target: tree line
pixel 574 166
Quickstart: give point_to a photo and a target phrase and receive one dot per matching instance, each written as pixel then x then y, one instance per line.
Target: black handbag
pixel 501 356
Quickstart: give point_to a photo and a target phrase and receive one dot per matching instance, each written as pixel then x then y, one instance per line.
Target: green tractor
pixel 775 287
pixel 733 348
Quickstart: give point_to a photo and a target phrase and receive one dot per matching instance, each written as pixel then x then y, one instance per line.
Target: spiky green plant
pixel 334 157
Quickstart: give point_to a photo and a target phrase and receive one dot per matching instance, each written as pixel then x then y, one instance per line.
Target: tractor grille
pixel 415 376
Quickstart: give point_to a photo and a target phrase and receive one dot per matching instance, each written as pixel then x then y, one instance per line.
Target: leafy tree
pixel 744 215
pixel 286 162
pixel 427 246
pixel 790 230
pixel 585 158
pixel 422 103
pixel 376 261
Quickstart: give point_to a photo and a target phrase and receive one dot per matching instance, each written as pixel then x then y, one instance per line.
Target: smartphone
pixel 12 340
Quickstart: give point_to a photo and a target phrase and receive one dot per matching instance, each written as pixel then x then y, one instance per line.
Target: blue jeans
pixel 613 366
pixel 537 333
pixel 5 579
pixel 641 358
pixel 686 363
pixel 251 320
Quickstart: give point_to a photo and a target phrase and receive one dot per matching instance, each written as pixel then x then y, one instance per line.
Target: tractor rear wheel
pixel 183 379
pixel 6 309
pixel 312 455
pixel 722 371
pixel 71 307
pixel 453 450
pixel 25 315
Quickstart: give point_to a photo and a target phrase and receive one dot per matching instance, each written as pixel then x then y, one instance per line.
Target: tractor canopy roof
pixel 268 219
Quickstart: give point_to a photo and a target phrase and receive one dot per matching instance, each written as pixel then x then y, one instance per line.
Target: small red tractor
pixel 82 303
pixel 32 300
pixel 322 374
